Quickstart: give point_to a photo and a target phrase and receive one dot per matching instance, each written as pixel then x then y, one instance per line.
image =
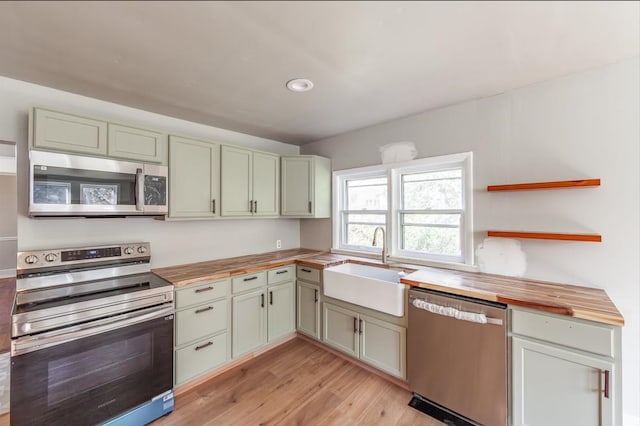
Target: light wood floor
pixel 297 383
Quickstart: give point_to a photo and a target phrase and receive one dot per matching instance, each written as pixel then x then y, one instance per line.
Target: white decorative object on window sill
pixel 398 151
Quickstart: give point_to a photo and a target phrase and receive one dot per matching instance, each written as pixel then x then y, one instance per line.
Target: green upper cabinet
pixel 306 186
pixel 194 178
pixel 58 131
pixel 132 143
pixel 266 184
pixel 70 133
pixel 249 182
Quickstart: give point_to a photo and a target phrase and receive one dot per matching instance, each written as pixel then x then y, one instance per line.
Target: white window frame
pixel 394 172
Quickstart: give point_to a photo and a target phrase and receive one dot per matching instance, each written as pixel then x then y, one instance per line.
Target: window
pixel 424 205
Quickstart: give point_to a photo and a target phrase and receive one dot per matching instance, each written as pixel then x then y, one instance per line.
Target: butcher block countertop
pixel 576 301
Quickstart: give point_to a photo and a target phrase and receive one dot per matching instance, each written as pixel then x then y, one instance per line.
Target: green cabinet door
pixel 383 345
pixel 133 143
pixel 297 186
pixel 280 311
pixel 70 133
pixel 236 181
pixel 308 309
pixel 194 178
pixel 249 322
pixel 266 184
pixel 340 329
pixel 556 387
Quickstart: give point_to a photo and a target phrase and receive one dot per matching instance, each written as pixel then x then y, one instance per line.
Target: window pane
pixel 366 194
pixel 431 240
pixel 432 219
pixel 378 219
pixel 432 190
pixel 362 235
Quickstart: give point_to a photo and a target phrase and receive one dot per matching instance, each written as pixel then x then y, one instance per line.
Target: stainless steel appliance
pixel 457 358
pixel 8 210
pixel 92 337
pixel 72 185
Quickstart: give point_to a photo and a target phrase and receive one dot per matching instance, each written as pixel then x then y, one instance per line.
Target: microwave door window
pixel 59 185
pixel 155 190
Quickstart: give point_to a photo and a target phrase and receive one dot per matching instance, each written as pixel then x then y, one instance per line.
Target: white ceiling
pixel 226 63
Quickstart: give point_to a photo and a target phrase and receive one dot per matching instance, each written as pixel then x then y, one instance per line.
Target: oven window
pixel 78 373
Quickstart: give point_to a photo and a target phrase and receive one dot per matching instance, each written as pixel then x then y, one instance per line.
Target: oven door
pixel 89 374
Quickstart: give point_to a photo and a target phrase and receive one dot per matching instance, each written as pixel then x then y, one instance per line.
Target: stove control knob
pixel 31 259
pixel 128 250
pixel 26 327
pixel 142 249
pixel 50 257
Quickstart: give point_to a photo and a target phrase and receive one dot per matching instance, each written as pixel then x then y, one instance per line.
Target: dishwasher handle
pixel 448 311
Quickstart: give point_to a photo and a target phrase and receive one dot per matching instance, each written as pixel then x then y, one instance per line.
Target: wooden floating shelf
pixel 547 236
pixel 545 185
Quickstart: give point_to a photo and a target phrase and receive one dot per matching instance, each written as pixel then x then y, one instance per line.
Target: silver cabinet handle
pixel 208 308
pixel 315 296
pixel 305 270
pixel 250 206
pixel 209 343
pixel 271 298
pixel 355 324
pixel 255 206
pixel 262 300
pixel 250 278
pixel 202 290
pixel 359 326
pixel 607 379
pixel 284 271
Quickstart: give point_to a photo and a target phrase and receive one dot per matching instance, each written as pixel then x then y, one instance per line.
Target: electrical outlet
pixel 278 243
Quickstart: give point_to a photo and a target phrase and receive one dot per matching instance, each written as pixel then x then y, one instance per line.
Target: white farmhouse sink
pixel 368 286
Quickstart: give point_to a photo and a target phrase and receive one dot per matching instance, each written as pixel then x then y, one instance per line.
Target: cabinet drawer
pixel 280 275
pixel 201 320
pixel 308 274
pixel 248 282
pixel 200 357
pixel 201 293
pixel 573 333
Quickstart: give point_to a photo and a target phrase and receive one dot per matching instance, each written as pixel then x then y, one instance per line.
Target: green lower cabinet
pixel 249 322
pixel 200 357
pixel 376 342
pixel 308 309
pixel 280 311
pixel 383 345
pixel 558 387
pixel 341 329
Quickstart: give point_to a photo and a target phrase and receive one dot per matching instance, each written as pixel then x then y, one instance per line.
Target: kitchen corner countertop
pixel 571 300
pixel 564 299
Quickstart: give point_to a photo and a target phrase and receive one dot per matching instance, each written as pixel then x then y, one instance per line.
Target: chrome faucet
pixel 384 243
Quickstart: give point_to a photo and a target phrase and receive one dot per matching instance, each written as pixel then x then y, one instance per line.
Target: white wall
pixel 585 125
pixel 171 242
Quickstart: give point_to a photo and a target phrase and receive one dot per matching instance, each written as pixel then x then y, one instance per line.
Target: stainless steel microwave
pixel 73 185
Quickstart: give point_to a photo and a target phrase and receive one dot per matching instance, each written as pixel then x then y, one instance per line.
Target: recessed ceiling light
pixel 299 85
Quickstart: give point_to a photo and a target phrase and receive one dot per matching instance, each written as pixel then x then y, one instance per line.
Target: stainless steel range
pixel 92 337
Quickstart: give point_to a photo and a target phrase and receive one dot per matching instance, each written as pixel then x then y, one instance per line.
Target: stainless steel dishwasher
pixel 457 358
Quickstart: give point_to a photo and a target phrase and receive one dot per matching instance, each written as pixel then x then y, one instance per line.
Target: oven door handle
pixel 26 344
